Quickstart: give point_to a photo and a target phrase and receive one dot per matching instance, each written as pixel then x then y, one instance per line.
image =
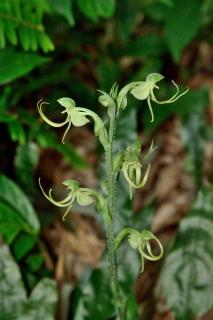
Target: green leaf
pixel 18 64
pixel 92 300
pixel 131 308
pixel 12 291
pixel 187 277
pixel 42 302
pixel 11 223
pixel 64 8
pixel 18 205
pixel 178 31
pixel 93 9
pixel 14 303
pixel 126 17
pixel 16 131
pixel 193 134
pixel 150 45
pixel 26 160
pixel 34 262
pixel 23 244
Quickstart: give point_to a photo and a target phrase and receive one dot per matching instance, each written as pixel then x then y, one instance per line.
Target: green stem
pixel 111 180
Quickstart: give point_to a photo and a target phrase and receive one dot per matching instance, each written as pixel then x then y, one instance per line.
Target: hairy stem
pixel 111 180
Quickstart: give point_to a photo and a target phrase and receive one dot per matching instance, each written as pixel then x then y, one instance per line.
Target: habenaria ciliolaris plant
pixel 127 161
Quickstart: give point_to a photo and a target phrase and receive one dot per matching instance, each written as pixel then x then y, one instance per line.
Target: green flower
pixel 140 241
pixel 144 90
pixel 76 116
pixel 132 168
pixel 83 196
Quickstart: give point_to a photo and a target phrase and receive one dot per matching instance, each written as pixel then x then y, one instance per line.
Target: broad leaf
pixel 15 205
pixel 182 25
pixel 187 277
pixel 14 303
pixel 12 291
pixel 18 64
pixel 93 300
pixel 26 160
pixel 42 302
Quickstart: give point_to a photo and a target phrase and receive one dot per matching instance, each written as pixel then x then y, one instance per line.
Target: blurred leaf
pixel 42 302
pixel 23 244
pixel 92 300
pixel 108 71
pixel 187 276
pixel 18 64
pixel 64 8
pixel 17 132
pixel 26 160
pixel 15 203
pixel 93 9
pixel 21 21
pixel 12 291
pixel 34 262
pixel 179 32
pixel 131 308
pixel 126 17
pixel 146 46
pixel 14 303
pixel 193 135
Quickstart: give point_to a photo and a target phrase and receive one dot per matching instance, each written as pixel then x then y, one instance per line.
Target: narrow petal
pixel 51 123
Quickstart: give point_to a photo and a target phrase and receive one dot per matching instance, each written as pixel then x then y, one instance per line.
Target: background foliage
pixel 71 48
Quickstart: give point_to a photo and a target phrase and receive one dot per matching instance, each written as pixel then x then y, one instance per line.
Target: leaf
pixel 92 300
pixel 150 45
pixel 18 64
pixel 42 302
pixel 93 9
pixel 34 262
pixel 23 244
pixel 12 197
pixel 126 17
pixel 14 303
pixel 26 160
pixel 187 278
pixel 16 131
pixel 21 21
pixel 131 308
pixel 12 291
pixel 193 134
pixel 182 25
pixel 64 8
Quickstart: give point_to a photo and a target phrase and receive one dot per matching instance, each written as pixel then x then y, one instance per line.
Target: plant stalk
pixel 111 181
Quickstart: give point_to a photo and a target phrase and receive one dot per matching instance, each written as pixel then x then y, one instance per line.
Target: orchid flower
pixel 83 196
pixel 76 116
pixel 132 168
pixel 144 90
pixel 141 241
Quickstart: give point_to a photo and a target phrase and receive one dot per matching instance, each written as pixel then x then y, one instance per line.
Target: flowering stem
pixel 111 180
